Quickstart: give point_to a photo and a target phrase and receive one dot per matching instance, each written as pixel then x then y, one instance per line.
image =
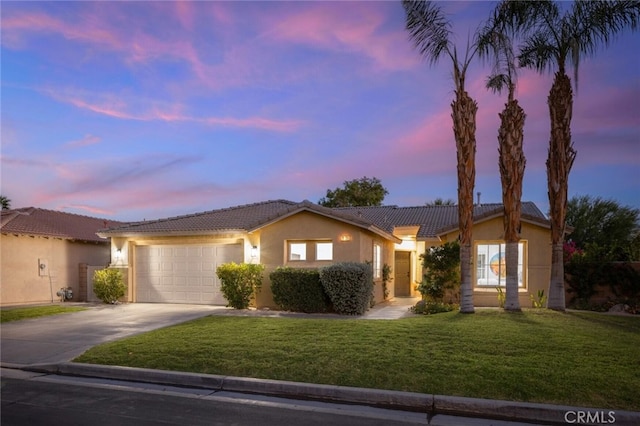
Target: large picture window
pixel 490 263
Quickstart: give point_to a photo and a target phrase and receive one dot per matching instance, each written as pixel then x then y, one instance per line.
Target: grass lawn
pixel 583 359
pixel 16 314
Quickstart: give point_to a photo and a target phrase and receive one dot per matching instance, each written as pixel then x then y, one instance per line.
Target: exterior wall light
pixel 345 237
pixel 254 252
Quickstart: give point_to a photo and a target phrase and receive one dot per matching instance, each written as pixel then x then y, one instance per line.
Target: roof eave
pixel 203 233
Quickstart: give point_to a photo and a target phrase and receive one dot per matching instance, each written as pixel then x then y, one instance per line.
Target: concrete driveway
pixel 60 338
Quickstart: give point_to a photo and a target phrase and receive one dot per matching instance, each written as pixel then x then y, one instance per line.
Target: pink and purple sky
pixel 143 110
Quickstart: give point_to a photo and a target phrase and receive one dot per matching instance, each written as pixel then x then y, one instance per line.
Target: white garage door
pixel 182 273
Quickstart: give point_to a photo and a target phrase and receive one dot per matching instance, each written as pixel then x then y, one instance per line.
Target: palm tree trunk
pixel 512 163
pixel 464 128
pixel 559 163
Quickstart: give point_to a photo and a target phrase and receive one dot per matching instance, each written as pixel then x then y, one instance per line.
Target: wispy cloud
pixel 85 141
pixel 327 27
pixel 117 107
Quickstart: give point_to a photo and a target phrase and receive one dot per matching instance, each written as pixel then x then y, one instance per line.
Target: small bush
pixel 239 282
pixel 299 290
pixel 349 286
pixel 108 285
pixel 424 307
pixel 442 275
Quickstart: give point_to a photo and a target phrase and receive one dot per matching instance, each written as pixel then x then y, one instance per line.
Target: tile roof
pixel 244 217
pixel 50 223
pixel 248 217
pixel 431 220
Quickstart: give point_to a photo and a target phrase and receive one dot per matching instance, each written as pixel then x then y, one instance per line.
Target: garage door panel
pixel 182 274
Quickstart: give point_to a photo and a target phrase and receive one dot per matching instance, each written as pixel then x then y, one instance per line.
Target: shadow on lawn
pixel 618 323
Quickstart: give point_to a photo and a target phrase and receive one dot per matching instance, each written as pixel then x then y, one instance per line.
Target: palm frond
pixel 521 17
pixel 429 28
pixel 498 82
pixel 539 52
pixel 594 24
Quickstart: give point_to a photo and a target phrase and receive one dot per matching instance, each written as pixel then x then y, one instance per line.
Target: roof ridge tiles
pixel 205 212
pixel 30 210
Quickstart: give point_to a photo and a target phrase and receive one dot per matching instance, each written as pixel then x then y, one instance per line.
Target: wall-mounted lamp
pixel 118 254
pixel 254 252
pixel 345 237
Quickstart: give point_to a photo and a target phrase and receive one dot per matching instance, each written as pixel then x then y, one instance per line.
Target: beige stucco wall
pixel 306 226
pixel 20 281
pixel 537 258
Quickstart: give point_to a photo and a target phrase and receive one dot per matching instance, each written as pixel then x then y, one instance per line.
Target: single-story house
pixel 175 259
pixel 42 251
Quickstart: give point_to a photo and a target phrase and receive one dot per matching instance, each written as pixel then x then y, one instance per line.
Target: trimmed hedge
pixel 349 285
pixel 299 290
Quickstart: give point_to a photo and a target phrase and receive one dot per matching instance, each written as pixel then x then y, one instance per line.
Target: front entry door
pixel 403 274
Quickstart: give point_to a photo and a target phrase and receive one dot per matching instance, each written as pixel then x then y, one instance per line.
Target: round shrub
pixel 108 285
pixel 349 285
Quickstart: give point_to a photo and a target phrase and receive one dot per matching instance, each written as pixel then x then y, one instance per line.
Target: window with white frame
pixel 298 251
pixel 377 261
pixel 324 250
pixel 490 261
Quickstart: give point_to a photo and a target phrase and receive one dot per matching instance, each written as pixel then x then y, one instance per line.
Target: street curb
pixel 429 404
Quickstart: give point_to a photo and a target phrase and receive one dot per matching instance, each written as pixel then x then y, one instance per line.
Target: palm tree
pixel 441 202
pixel 431 33
pixel 511 154
pixel 554 37
pixel 5 202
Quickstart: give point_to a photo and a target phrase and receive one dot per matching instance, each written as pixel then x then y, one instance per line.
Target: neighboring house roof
pixel 437 220
pixel 244 218
pixel 50 223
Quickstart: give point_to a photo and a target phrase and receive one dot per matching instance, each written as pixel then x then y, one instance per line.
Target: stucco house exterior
pixel 175 259
pixel 42 251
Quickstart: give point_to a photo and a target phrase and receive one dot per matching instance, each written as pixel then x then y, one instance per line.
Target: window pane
pixel 491 265
pixel 324 251
pixel 297 251
pixel 377 261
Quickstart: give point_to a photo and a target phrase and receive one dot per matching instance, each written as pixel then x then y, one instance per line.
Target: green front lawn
pixel 583 359
pixel 16 314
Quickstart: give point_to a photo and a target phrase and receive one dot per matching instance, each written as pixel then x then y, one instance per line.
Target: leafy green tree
pixel 358 192
pixel 555 36
pixel 604 223
pixel 5 202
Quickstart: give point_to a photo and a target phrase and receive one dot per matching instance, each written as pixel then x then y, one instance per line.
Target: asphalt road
pixel 53 400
